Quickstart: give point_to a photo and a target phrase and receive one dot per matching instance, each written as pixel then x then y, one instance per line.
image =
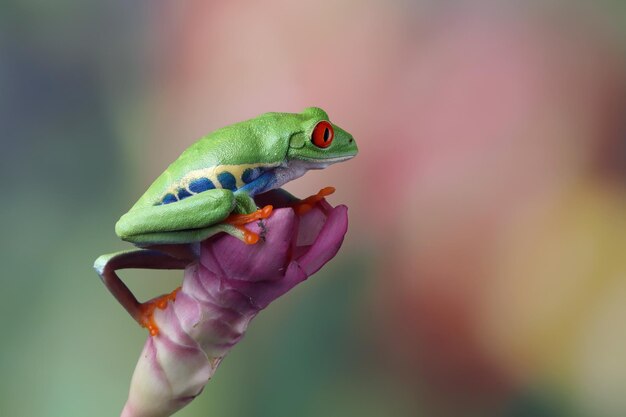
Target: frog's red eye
pixel 323 134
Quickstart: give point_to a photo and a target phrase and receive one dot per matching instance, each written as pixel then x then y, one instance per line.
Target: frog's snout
pixel 352 145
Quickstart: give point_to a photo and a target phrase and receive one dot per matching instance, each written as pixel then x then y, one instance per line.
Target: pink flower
pixel 221 292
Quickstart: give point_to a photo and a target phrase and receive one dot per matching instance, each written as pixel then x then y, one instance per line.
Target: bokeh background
pixel 484 273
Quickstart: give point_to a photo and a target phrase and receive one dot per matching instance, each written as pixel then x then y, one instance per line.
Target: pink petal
pixel 328 241
pixel 262 261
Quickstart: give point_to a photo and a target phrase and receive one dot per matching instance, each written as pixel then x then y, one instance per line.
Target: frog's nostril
pixel 351 140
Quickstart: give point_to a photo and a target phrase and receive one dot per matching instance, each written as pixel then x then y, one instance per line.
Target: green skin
pixel 278 145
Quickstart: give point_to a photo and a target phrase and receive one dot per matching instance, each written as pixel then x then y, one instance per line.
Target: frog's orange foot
pixel 302 206
pixel 147 310
pixel 239 220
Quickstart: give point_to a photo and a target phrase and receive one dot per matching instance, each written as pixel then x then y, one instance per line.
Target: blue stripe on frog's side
pixel 227 180
pixel 201 184
pixel 251 174
pixel 169 198
pixel 262 183
pixel 183 193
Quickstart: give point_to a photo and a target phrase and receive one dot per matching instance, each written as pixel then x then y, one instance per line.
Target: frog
pixel 210 189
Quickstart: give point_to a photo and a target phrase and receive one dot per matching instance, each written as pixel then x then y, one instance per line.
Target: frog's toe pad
pixel 147 310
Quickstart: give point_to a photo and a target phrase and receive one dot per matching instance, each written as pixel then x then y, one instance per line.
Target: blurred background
pixel 484 272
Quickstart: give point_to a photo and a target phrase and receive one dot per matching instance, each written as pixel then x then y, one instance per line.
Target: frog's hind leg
pixel 192 219
pixel 233 225
pixel 236 223
pixel 107 265
pixel 141 225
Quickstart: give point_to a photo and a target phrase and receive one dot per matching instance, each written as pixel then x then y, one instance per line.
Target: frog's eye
pixel 323 134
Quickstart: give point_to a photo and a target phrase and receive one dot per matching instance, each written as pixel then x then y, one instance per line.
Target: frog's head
pixel 318 143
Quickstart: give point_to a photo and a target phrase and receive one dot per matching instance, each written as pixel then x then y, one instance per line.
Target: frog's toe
pixel 239 220
pixel 146 318
pixel 304 205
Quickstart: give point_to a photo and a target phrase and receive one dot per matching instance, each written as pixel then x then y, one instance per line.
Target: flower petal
pixel 262 261
pixel 327 242
pixel 311 223
pixel 166 378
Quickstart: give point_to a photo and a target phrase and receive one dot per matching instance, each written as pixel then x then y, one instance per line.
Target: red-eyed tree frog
pixel 210 189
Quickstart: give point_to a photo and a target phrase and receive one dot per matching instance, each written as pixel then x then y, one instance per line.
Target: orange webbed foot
pixel 147 310
pixel 302 206
pixel 239 220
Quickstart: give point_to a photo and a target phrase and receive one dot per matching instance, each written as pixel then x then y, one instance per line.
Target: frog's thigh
pixel 185 236
pixel 194 212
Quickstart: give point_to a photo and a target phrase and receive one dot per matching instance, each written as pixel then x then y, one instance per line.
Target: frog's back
pixel 226 158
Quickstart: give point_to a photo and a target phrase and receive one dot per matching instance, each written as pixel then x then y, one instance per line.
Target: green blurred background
pixel 484 273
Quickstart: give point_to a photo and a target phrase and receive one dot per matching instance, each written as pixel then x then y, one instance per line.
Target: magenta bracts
pixel 229 284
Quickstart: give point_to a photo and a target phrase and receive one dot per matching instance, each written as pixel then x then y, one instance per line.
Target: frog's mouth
pixel 323 163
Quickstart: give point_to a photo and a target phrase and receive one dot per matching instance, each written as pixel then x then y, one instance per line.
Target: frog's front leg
pixel 283 198
pixel 107 265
